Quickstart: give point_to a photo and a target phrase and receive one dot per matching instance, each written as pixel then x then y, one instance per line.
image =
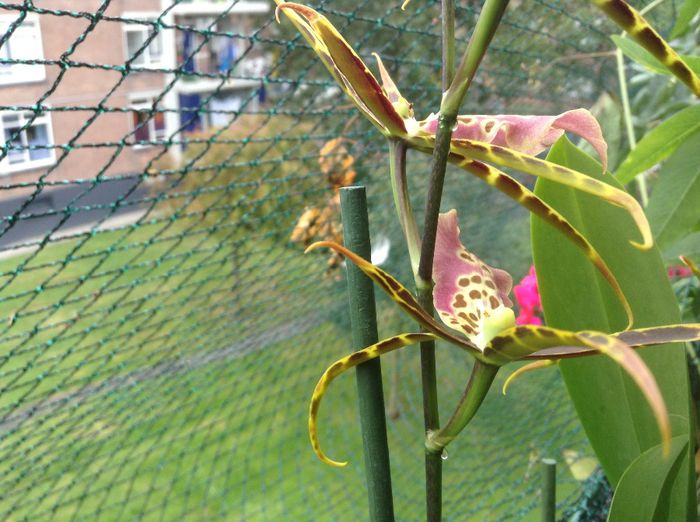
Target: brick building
pixel 134 84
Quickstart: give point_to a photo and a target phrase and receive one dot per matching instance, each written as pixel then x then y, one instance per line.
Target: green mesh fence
pixel 161 334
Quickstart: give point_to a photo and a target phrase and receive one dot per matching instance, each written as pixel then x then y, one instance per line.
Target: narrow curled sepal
pixel 528 199
pixel 530 367
pixel 690 264
pixel 400 295
pixel 344 364
pixel 528 164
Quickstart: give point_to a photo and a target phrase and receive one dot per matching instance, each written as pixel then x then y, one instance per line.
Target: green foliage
pixel 673 206
pixel 660 143
pixel 612 412
pixel 641 492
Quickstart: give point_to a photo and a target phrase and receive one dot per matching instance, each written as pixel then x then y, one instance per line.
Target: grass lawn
pixel 133 387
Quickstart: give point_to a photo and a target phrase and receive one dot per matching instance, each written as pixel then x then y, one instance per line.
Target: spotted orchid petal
pixel 639 29
pixel 401 104
pixel 502 341
pixel 524 196
pixel 400 295
pixel 526 134
pixel 545 169
pixel 342 365
pixel 348 69
pixel 469 296
pixel 517 342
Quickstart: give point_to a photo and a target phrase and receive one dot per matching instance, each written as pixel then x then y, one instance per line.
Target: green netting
pixel 161 334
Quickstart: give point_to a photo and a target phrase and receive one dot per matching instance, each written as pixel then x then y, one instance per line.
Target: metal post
pixel 363 320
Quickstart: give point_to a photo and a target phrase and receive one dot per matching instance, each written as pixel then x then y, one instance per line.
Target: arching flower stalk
pixel 480 143
pixel 472 301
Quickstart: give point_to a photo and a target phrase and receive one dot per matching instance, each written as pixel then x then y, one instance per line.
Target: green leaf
pixel 639 54
pixel 640 495
pixel 673 206
pixel 688 246
pixel 686 14
pixel 659 143
pixel 612 411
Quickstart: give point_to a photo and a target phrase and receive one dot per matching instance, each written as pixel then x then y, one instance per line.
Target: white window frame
pixel 45 119
pixel 11 74
pixel 145 59
pixel 144 100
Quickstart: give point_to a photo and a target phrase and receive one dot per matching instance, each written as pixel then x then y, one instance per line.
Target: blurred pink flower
pixel 528 298
pixel 678 272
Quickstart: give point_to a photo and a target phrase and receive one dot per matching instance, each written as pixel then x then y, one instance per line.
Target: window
pixel 23 45
pixel 28 148
pixel 136 37
pixel 147 123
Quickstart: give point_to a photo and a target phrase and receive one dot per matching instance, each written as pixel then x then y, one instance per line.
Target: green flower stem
pixel 402 201
pixel 452 99
pixel 448 43
pixel 353 204
pixel 479 383
pixel 486 26
pixel 433 462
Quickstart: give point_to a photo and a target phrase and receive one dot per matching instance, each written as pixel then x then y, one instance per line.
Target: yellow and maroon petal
pixel 400 295
pixel 340 366
pixel 526 134
pixel 545 169
pixel 348 69
pixel 521 341
pixel 639 29
pixel 468 295
pixel 528 199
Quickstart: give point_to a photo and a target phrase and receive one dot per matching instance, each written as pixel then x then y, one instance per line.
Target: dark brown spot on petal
pixel 356 356
pixel 459 301
pixel 489 125
pixel 546 332
pixel 508 186
pixel 653 40
pixel 476 278
pixel 493 302
pixel 474 294
pixel 463 281
pixel 490 284
pixel 473 316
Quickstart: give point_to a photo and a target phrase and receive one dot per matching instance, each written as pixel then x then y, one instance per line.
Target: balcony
pixel 216 7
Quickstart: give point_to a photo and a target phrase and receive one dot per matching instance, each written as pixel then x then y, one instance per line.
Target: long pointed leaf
pixel 615 415
pixel 639 29
pixel 518 192
pixel 400 295
pixel 341 365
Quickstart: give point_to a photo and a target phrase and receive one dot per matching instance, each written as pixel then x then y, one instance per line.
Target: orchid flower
pixel 471 299
pixel 479 141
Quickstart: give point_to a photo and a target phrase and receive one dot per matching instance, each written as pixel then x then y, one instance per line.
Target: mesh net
pixel 162 333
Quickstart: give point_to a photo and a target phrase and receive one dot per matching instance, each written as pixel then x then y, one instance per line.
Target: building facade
pixel 124 91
